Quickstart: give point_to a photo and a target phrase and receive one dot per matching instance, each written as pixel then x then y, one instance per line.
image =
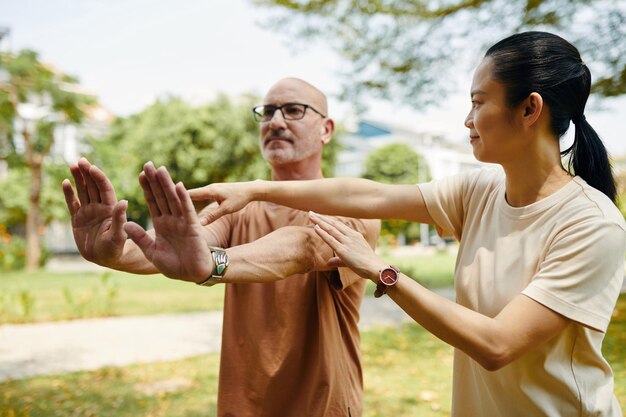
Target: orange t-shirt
pixel 289 347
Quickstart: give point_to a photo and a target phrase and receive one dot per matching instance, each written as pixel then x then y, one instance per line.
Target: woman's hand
pixel 350 246
pixel 231 197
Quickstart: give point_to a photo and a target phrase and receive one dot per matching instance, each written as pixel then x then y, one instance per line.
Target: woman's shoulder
pixel 590 202
pixel 484 178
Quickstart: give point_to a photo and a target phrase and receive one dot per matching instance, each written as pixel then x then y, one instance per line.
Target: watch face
pixel 388 276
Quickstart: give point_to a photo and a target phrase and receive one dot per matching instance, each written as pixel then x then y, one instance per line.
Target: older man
pixel 290 342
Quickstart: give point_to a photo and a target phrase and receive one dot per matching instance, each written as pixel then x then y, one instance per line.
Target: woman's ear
pixel 532 108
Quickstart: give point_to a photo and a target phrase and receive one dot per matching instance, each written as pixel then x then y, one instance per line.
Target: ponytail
pixel 549 65
pixel 589 158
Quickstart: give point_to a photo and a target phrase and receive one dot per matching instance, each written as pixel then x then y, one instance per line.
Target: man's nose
pixel 277 120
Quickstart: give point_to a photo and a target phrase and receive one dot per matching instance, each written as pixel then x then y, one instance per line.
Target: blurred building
pixel 443 157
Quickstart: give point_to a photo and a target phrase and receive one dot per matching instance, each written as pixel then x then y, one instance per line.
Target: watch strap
pixel 220 265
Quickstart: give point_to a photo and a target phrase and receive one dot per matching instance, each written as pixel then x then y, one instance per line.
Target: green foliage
pixel 413 50
pixel 53 99
pixel 397 164
pixel 14 198
pixel 216 142
pixel 213 143
pixel 12 251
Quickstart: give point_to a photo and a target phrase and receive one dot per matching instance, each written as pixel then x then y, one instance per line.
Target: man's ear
pixel 328 127
pixel 531 108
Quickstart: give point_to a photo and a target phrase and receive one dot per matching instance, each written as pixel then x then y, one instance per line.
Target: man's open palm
pixel 178 248
pixel 97 217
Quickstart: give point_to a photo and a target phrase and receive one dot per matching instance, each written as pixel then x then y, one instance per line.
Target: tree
pixel 397 164
pixel 34 100
pixel 215 142
pixel 412 50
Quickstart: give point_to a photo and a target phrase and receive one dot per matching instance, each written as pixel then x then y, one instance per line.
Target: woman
pixel 541 256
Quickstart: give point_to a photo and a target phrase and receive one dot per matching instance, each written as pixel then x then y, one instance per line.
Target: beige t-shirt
pixel 290 347
pixel 566 252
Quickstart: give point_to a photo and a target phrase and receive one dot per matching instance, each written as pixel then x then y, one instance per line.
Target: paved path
pixel 53 348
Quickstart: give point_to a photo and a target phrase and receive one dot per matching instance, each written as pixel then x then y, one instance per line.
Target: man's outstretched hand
pixel 97 217
pixel 178 248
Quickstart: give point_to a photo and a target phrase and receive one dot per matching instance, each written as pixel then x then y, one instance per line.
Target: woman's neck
pixel 535 176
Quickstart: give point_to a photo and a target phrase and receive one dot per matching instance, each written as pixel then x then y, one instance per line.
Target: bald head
pixel 295 90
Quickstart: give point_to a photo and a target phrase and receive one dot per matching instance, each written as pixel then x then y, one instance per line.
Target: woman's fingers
pixel 334 227
pixel 326 237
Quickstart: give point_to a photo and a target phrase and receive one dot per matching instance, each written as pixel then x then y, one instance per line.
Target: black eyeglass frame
pixel 259 116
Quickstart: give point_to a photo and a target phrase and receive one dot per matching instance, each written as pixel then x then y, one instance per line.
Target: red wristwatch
pixel 387 277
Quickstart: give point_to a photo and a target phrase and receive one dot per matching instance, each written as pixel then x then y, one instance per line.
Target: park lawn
pixel 47 296
pixel 434 270
pixel 407 372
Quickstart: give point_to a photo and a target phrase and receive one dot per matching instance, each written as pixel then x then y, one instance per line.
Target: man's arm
pixel 287 251
pixel 179 247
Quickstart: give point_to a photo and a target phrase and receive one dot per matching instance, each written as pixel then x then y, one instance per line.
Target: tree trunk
pixel 33 216
pixel 33 220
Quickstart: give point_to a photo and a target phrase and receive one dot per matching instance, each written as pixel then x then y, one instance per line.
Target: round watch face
pixel 388 276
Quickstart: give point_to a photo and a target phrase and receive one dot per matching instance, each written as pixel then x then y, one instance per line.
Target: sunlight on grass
pixel 407 372
pixel 62 296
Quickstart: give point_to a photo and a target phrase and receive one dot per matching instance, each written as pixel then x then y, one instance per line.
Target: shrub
pixel 12 251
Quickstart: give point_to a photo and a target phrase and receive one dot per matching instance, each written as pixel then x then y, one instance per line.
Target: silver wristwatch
pixel 220 265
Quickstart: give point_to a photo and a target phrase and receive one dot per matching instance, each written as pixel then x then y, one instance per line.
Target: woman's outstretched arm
pixel 349 197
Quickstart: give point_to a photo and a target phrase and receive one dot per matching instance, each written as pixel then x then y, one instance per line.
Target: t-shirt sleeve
pixel 444 202
pixel 450 199
pixel 219 231
pixel 370 229
pixel 582 273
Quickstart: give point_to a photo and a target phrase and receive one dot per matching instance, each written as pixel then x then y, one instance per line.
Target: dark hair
pixel 551 66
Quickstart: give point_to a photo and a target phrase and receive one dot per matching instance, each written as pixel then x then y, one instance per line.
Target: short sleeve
pixel 219 230
pixel 582 273
pixel 444 202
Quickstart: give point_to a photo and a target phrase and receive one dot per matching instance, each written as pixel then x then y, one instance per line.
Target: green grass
pixel 97 294
pixel 46 296
pixel 431 270
pixel 407 372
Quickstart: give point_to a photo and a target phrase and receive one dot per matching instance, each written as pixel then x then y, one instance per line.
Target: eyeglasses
pixel 290 111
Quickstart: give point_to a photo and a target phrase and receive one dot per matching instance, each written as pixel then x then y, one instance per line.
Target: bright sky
pixel 129 52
